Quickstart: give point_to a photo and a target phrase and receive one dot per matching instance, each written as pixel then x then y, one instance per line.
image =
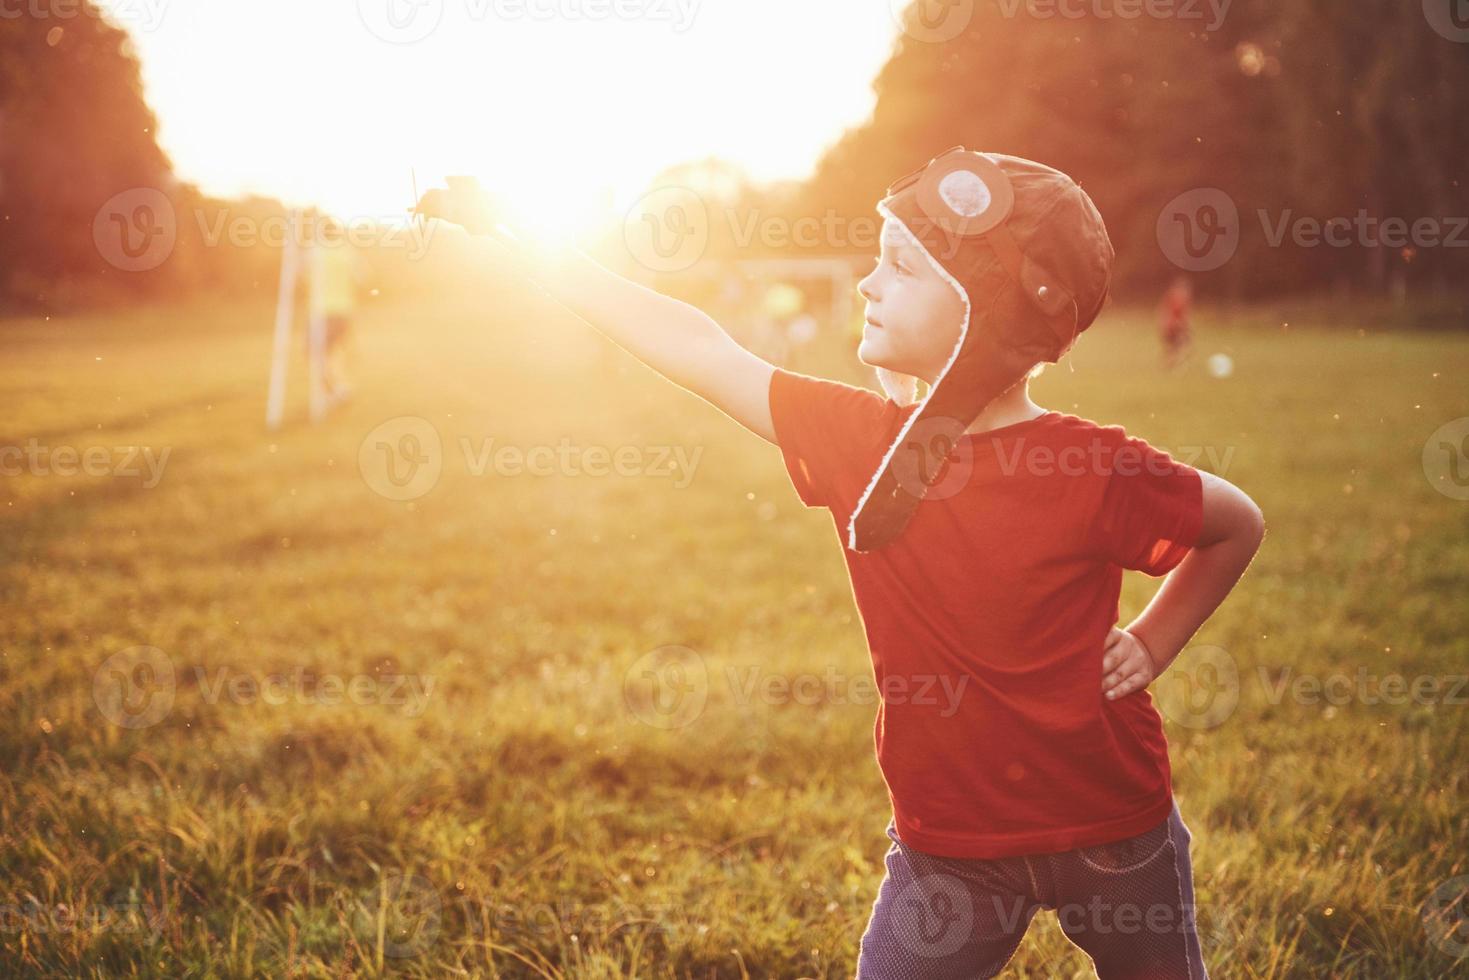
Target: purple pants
pixel 1129 905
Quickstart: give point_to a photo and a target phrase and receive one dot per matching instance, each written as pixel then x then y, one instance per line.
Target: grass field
pixel 517 806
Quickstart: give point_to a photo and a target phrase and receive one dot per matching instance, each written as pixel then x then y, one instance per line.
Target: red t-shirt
pixel 986 619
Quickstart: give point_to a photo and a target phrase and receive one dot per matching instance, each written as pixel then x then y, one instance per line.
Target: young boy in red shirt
pixel 985 538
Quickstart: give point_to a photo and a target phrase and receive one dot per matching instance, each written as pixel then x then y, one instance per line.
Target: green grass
pixel 542 828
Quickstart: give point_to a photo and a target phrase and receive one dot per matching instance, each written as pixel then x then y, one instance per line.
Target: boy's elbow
pixel 1256 525
pixel 1230 515
pixel 1249 524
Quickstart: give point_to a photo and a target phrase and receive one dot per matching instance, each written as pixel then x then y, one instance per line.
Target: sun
pixel 555 201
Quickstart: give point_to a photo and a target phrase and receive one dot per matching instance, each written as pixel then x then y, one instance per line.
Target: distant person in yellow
pixel 336 272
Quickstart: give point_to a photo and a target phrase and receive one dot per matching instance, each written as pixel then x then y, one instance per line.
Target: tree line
pixel 1336 133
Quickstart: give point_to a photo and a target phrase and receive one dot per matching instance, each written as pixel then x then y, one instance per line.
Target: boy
pixel 985 538
pixel 337 271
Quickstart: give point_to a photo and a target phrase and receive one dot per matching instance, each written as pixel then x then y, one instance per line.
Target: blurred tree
pixel 74 131
pixel 1297 109
pixel 1376 114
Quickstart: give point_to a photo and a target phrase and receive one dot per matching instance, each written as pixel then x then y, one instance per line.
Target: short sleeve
pixel 825 430
pixel 1151 510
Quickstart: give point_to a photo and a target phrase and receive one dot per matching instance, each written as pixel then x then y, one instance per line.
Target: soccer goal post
pixel 295 261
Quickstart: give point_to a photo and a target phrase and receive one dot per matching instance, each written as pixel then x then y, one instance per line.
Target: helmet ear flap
pixel 1054 302
pixel 1043 289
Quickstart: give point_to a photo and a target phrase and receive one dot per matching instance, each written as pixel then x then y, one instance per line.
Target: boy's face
pixel 913 314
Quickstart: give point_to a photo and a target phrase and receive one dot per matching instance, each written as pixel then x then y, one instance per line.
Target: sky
pixel 335 102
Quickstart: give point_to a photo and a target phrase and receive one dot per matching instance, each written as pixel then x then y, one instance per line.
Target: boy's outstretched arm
pixel 679 341
pixel 1232 531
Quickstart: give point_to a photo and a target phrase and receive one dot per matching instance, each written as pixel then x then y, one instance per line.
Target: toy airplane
pixel 464 203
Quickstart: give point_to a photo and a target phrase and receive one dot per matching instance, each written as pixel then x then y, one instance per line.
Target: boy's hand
pixel 465 204
pixel 1127 666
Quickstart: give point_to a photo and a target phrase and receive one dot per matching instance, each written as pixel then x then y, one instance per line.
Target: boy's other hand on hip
pixel 1127 666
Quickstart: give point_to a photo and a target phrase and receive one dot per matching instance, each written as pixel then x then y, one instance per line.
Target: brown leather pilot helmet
pixel 1029 254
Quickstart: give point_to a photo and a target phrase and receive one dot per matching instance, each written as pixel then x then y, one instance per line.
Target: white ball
pixel 1221 365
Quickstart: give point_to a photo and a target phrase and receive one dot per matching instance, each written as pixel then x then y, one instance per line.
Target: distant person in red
pixel 1174 312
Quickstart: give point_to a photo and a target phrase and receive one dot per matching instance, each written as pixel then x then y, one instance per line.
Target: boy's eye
pixel 902 267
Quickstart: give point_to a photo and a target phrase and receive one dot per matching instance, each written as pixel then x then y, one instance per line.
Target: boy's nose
pixel 865 286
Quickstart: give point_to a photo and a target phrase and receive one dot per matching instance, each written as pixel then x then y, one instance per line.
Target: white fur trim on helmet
pixel 901 388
